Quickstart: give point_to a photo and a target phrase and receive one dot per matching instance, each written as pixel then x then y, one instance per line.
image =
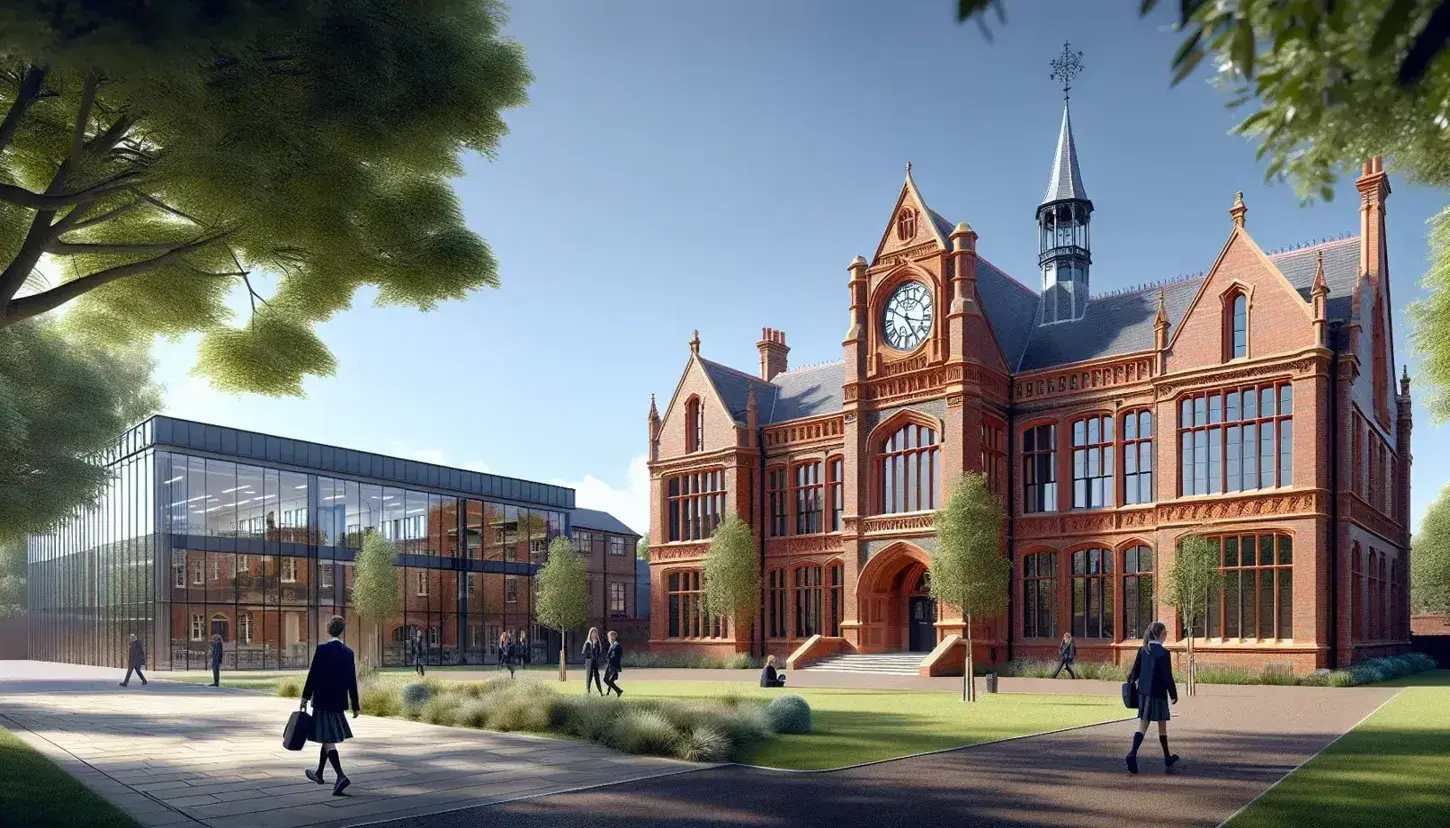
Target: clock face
pixel 908 316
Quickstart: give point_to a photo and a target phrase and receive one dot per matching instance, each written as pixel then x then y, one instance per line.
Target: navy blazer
pixel 137 655
pixel 616 652
pixel 1153 670
pixel 332 678
pixel 593 653
pixel 769 676
pixel 1067 651
pixel 216 654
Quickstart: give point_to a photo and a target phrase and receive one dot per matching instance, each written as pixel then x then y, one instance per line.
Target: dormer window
pixel 694 426
pixel 906 224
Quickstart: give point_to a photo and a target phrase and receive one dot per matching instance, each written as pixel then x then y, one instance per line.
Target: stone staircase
pixel 893 664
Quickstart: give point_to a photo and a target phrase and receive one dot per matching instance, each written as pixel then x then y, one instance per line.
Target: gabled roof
pixel 1010 307
pixel 597 521
pixel 1123 323
pixel 794 394
pixel 1065 183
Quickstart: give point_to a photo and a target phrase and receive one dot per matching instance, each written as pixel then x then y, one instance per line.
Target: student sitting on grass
pixel 770 677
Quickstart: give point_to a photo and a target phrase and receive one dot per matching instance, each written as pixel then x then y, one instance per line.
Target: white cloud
pixel 630 503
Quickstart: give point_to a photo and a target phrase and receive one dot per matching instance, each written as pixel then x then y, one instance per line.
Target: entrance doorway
pixel 921 622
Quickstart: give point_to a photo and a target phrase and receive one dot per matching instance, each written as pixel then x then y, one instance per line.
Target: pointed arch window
pixel 1240 325
pixel 694 426
pixel 909 469
pixel 906 224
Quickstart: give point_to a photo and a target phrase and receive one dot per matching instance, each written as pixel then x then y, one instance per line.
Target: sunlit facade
pixel 208 530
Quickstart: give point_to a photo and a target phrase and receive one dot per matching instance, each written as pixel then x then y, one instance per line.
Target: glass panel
pixel 221 498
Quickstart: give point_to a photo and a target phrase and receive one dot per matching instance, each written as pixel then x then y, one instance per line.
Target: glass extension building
pixel 206 530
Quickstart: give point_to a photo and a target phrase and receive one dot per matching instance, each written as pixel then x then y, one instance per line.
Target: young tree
pixel 1196 571
pixel 730 577
pixel 162 155
pixel 563 602
pixel 61 401
pixel 641 549
pixel 13 598
pixel 375 594
pixel 1430 560
pixel 968 570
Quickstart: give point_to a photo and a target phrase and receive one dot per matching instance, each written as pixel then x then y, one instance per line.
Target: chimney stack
pixel 773 353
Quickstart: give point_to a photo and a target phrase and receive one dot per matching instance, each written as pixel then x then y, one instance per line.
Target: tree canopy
pixel 1324 85
pixel 730 577
pixel 641 548
pixel 1430 560
pixel 60 403
pixel 1195 571
pixel 563 602
pixel 968 570
pixel 375 594
pixel 165 154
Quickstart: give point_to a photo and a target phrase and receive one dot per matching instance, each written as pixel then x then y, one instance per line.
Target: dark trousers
pixel 1064 664
pixel 779 682
pixel 139 674
pixel 216 674
pixel 418 666
pixel 610 675
pixel 591 676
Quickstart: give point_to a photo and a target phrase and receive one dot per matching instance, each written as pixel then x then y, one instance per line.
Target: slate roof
pixel 1065 184
pixel 598 521
pixel 1011 309
pixel 794 394
pixel 1123 323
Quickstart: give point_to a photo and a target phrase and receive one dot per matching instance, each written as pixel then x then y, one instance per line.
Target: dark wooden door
pixel 922 624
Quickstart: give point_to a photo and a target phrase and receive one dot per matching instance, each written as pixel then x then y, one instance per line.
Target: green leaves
pixel 1430 560
pixel 968 570
pixel 730 578
pixel 375 593
pixel 1195 570
pixel 563 602
pixel 315 143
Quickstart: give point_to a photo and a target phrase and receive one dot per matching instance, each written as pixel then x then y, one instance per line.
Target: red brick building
pixel 1257 403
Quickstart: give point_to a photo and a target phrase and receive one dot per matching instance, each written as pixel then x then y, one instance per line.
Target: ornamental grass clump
pixel 290 687
pixel 704 743
pixel 789 714
pixel 441 710
pixel 644 732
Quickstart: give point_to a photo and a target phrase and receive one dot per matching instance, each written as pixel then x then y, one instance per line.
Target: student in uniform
pixel 331 685
pixel 1153 672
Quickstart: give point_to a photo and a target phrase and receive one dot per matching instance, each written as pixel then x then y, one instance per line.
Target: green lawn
pixel 1393 770
pixel 854 726
pixel 35 792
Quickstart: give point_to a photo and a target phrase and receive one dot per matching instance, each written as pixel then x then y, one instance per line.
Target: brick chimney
pixel 773 353
pixel 1373 185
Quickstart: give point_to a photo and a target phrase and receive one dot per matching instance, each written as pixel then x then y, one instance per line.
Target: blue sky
pixel 717 165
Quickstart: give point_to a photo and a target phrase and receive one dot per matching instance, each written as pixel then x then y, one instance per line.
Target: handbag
pixel 299 728
pixel 1130 695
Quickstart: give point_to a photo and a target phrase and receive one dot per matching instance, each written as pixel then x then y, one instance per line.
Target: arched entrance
pixel 895 610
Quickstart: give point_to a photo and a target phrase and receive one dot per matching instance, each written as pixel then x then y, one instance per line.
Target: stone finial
pixel 654 413
pixel 695 344
pixel 1320 288
pixel 963 229
pixel 1404 380
pixel 859 261
pixel 1161 320
pixel 1238 210
pixel 908 169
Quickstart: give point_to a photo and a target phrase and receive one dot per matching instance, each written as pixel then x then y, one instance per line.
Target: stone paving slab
pixel 180 754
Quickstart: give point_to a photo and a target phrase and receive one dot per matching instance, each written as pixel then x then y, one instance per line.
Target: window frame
pixel 836 490
pixel 777 604
pixel 1217 610
pixel 1136 615
pixel 1085 450
pixel 1212 422
pixel 1099 584
pixel 1039 595
pixel 1034 461
pixel 777 495
pixel 1236 336
pixel 1138 480
pixel 908 464
pixel 694 425
pixel 808 584
pixel 685 610
pixel 993 438
pixel 617 598
pixel 695 503
pixel 807 492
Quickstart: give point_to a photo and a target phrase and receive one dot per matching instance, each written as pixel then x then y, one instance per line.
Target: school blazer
pixel 593 653
pixel 332 678
pixel 1153 670
pixel 614 655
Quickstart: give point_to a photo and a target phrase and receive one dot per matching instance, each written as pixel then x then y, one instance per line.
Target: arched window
pixel 906 224
pixel 1138 457
pixel 1238 327
pixel 994 455
pixel 1092 593
pixel 809 597
pixel 1257 596
pixel 775 603
pixel 1093 463
pixel 807 488
pixel 694 425
pixel 1138 607
pixel 1039 595
pixel 909 470
pixel 219 627
pixel 835 490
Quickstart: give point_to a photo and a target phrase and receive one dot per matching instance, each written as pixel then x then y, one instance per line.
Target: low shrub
pixel 1422 662
pixel 472 712
pixel 703 744
pixel 692 661
pixel 442 709
pixel 417 694
pixel 380 698
pixel 1341 678
pixel 1100 670
pixel 1225 674
pixel 589 717
pixel 290 687
pixel 1028 668
pixel 643 732
pixel 789 714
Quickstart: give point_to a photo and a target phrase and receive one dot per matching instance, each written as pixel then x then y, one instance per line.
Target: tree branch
pixel 38 303
pixel 66 224
pixel 64 248
pixel 150 199
pixel 45 201
pixel 29 91
pixel 83 114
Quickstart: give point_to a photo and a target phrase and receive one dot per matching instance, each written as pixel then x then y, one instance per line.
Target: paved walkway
pixel 1235 742
pixel 180 754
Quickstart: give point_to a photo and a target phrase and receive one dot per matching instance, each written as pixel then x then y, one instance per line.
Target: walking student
pixel 506 652
pixel 1153 671
pixel 614 658
pixel 769 676
pixel 593 657
pixel 135 660
pixel 216 659
pixel 502 650
pixel 1066 655
pixel 418 656
pixel 331 685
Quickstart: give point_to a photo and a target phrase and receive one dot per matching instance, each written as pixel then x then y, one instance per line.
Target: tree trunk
pixel 1188 662
pixel 563 669
pixel 969 682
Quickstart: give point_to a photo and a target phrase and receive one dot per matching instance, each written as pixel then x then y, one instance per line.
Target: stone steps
pixel 895 664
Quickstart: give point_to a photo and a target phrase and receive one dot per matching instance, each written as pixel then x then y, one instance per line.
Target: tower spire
pixel 1064 215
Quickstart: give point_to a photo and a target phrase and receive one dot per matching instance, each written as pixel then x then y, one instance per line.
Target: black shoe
pixel 340 785
pixel 315 776
pixel 1170 762
pixel 1132 760
pixel 122 684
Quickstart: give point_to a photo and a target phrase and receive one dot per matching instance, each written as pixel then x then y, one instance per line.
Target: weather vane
pixel 1066 67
